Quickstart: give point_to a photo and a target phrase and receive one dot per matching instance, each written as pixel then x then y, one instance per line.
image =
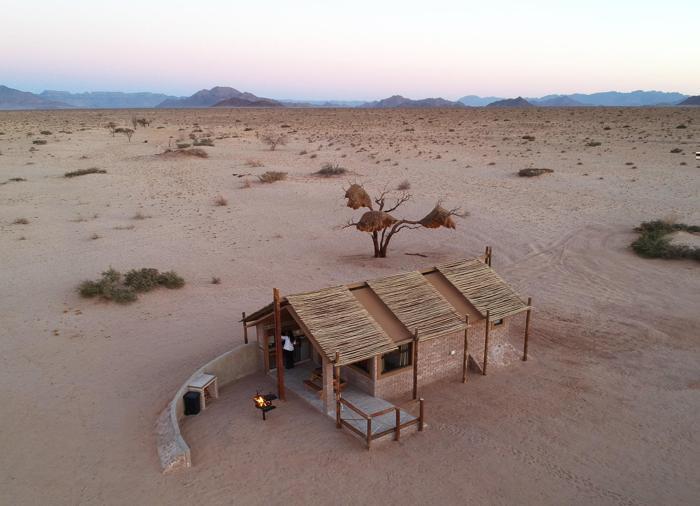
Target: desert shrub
pixel 170 279
pixel 46 132
pixel 533 172
pixel 653 241
pixel 679 126
pixel 83 172
pixel 142 280
pixel 272 176
pixel 592 144
pixel 676 150
pixel 220 200
pixel 215 281
pixel 254 163
pixel 273 139
pixel 204 142
pixel 39 142
pixel 330 170
pixel 183 145
pixel 529 137
pixel 21 221
pixel 128 132
pixel 112 286
pixel 184 153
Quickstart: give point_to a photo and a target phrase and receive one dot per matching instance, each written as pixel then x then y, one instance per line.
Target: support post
pixel 278 344
pixel 369 432
pixel 421 415
pixel 465 357
pixel 336 388
pixel 486 342
pixel 415 365
pixel 397 434
pixel 245 329
pixel 489 256
pixel 527 328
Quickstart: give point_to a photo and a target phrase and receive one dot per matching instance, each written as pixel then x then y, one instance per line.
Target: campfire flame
pixel 260 401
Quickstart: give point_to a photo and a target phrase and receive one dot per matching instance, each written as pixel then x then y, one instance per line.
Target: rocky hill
pixel 511 102
pixel 694 100
pixel 208 98
pixel 107 99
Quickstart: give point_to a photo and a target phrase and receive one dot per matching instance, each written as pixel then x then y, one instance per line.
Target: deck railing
pixel 368 436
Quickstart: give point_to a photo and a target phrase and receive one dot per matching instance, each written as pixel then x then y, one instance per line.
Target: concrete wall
pixel 173 451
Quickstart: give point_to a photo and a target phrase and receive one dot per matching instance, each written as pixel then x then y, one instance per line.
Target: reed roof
pixel 339 323
pixel 418 305
pixel 483 288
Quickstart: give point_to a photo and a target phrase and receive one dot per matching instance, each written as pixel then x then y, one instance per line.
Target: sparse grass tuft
pixel 220 200
pixel 215 281
pixel 21 221
pixel 254 163
pixel 533 172
pixel 592 144
pixel 39 142
pixel 404 185
pixel 84 172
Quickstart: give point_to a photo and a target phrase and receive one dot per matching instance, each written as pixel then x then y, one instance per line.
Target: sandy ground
pixel 605 412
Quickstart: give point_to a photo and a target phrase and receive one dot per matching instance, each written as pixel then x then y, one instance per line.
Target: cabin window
pixel 398 359
pixel 497 322
pixel 362 365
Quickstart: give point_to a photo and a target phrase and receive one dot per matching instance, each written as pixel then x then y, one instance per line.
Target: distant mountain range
pixel 637 98
pixel 106 99
pixel 397 101
pixel 224 96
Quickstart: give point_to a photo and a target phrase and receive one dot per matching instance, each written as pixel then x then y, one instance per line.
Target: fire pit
pixel 264 403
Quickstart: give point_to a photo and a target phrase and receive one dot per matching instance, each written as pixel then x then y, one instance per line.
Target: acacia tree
pixel 382 226
pixel 273 139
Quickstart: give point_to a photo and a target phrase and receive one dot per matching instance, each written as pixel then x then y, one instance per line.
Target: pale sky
pixel 361 49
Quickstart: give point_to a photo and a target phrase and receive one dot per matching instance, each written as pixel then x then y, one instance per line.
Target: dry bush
pixel 331 170
pixel 272 176
pixel 204 142
pixel 273 140
pixel 220 200
pixel 21 221
pixel 404 185
pixel 128 132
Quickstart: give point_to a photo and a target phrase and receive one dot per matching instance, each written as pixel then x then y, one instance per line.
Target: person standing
pixel 288 350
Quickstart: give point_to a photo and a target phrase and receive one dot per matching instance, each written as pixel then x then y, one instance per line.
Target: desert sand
pixel 604 412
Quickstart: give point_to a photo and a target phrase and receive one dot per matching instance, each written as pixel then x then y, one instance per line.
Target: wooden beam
pixel 369 433
pixel 397 435
pixel 486 342
pixel 527 327
pixel 415 365
pixel 336 389
pixel 465 357
pixel 278 344
pixel 245 329
pixel 421 415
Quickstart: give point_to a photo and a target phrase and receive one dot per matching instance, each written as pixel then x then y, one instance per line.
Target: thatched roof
pixel 338 319
pixel 374 221
pixel 438 217
pixel 358 197
pixel 339 323
pixel 483 288
pixel 418 305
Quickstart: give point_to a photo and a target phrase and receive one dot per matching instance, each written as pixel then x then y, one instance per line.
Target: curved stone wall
pixel 173 451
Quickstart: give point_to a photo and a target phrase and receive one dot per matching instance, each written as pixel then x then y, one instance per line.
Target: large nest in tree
pixel 438 217
pixel 374 221
pixel 358 197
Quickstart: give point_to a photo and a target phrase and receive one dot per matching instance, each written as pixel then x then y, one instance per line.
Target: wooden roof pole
pixel 486 342
pixel 245 329
pixel 415 365
pixel 466 355
pixel 278 343
pixel 527 328
pixel 336 388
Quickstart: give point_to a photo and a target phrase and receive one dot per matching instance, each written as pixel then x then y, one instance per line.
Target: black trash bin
pixel 191 403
